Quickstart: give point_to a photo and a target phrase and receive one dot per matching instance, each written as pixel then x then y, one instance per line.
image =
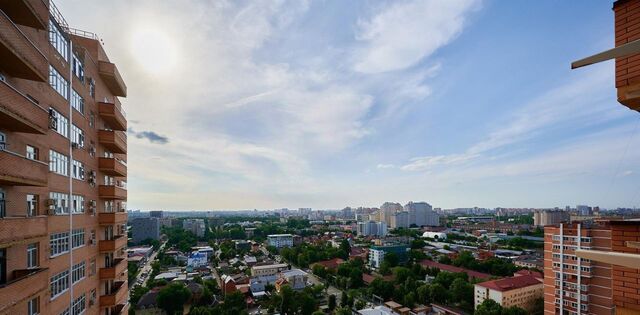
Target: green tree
pixel 332 302
pixel 538 307
pixel 137 293
pixel 461 290
pixel 344 299
pixel 171 298
pixel 488 307
pixel 437 293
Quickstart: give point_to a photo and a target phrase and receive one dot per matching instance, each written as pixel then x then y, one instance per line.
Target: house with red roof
pixel 520 290
pixel 450 268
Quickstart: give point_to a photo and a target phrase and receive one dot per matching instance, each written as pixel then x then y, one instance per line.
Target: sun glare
pixel 154 50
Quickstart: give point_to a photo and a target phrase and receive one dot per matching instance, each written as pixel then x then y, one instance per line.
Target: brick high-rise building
pixel 575 285
pixel 62 170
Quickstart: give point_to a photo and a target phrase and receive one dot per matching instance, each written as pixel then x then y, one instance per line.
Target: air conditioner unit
pixel 52 210
pixel 75 145
pixel 93 203
pixel 50 202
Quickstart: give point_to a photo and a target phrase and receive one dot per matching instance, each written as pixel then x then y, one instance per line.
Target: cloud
pixel 149 135
pixel 402 34
pixel 385 166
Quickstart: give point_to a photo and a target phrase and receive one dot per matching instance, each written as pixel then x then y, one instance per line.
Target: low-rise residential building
pixel 377 253
pixel 280 240
pixel 520 291
pixel 295 278
pixel 267 270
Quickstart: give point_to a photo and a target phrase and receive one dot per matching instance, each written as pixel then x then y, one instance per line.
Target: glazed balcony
pixel 32 13
pixel 113 115
pixel 17 170
pixel 118 267
pixel 111 218
pixel 114 141
pixel 112 245
pixel 111 77
pixel 118 295
pixel 21 229
pixel 20 114
pixel 112 167
pixel 112 192
pixel 20 57
pixel 25 283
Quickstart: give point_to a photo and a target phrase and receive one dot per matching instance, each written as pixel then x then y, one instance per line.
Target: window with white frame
pixel 58 40
pixel 77 238
pixel 78 67
pixel 58 163
pixel 58 82
pixel 33 306
pixel 92 87
pixel 59 243
pixel 32 255
pixel 32 205
pixel 77 136
pixel 77 102
pixel 62 123
pixel 60 202
pixel 59 283
pixel 77 171
pixel 77 204
pixel 78 272
pixel 79 305
pixel 32 152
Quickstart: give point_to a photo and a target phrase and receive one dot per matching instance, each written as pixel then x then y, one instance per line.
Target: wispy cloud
pixel 149 135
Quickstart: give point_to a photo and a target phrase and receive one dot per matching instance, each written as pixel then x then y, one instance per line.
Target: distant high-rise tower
pixel 422 214
pixel 63 148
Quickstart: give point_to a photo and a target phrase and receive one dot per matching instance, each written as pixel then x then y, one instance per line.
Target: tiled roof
pixel 449 268
pixel 512 283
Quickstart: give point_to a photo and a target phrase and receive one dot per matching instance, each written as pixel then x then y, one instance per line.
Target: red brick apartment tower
pixel 62 169
pixel 627 29
pixel 575 285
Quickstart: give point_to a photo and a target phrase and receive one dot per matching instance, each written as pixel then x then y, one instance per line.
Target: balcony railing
pixel 113 244
pixel 117 268
pixel 110 218
pixel 22 229
pixel 112 192
pixel 32 13
pixel 112 167
pixel 25 283
pixel 113 115
pixel 117 295
pixel 111 77
pixel 20 114
pixel 20 57
pixel 17 170
pixel 114 141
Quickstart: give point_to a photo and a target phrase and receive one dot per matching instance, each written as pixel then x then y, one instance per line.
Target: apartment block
pixel 62 167
pixel 575 285
pixel 371 228
pixel 280 240
pixel 549 217
pixel 519 290
pixel 196 226
pixel 145 228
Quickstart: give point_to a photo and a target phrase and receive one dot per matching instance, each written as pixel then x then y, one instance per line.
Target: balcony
pixel 114 141
pixel 112 167
pixel 118 268
pixel 25 283
pixel 113 115
pixel 110 218
pixel 19 114
pixel 32 13
pixel 15 230
pixel 111 77
pixel 20 57
pixel 112 192
pixel 17 170
pixel 118 295
pixel 112 245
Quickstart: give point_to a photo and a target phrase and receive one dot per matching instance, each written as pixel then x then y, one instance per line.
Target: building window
pixel 77 204
pixel 62 123
pixel 77 171
pixel 32 205
pixel 92 267
pixel 60 202
pixel 79 305
pixel 77 102
pixel 33 306
pixel 59 243
pixel 78 67
pixel 92 88
pixel 59 284
pixel 77 136
pixel 77 238
pixel 58 40
pixel 58 82
pixel 92 120
pixel 78 272
pixel 32 153
pixel 32 255
pixel 58 163
pixel 3 210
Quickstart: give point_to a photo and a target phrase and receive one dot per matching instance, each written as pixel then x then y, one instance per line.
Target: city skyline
pixel 268 105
